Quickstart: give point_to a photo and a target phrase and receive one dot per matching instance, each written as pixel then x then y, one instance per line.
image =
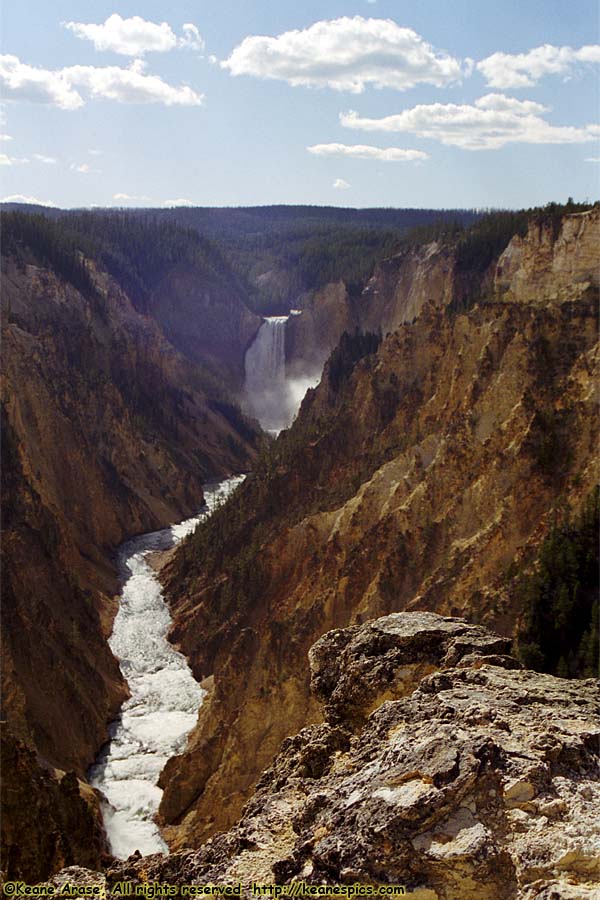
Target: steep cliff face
pixel 546 265
pixel 49 818
pixel 415 480
pixel 439 765
pixel 396 294
pixel 108 432
pixel 206 319
pixel 311 336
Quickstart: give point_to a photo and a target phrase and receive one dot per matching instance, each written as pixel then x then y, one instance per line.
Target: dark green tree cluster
pixel 351 349
pixel 51 243
pixel 136 250
pixel 139 250
pixel 560 631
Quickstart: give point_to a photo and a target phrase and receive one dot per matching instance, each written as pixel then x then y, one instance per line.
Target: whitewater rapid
pixel 155 721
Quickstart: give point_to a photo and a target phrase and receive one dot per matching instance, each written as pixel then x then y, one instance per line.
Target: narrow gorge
pixel 164 697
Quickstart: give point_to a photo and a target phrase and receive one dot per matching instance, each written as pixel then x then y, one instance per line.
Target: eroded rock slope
pixel 440 765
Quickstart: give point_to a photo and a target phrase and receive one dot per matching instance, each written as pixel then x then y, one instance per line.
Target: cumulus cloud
pixel 47 160
pixel 363 151
pixel 22 198
pixel 66 87
pixel 192 39
pixel 82 168
pixel 506 70
pixel 5 137
pixel 23 82
pixel 593 159
pixel 346 54
pixel 135 36
pixel 491 122
pixel 340 185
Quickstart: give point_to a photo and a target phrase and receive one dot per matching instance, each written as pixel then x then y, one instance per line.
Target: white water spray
pixel 265 374
pixel 165 698
pixel 270 397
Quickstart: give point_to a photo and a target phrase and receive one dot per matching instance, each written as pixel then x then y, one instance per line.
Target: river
pixel 155 721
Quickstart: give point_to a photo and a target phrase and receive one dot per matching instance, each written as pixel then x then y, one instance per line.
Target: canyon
pixel 448 430
pixel 419 477
pixel 108 431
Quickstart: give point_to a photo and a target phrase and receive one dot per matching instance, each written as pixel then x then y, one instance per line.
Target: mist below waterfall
pixel 269 395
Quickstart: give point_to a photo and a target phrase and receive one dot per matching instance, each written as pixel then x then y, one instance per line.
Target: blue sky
pixel 436 103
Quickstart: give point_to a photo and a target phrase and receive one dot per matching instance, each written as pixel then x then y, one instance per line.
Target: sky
pixel 356 103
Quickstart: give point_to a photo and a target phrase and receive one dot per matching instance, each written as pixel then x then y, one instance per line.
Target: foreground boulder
pixel 440 765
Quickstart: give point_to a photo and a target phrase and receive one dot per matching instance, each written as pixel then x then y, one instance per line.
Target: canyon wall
pixel 418 478
pixel 206 319
pixel 108 431
pixel 395 295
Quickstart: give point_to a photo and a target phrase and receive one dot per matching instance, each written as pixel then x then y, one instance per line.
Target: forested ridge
pixel 273 254
pixel 136 251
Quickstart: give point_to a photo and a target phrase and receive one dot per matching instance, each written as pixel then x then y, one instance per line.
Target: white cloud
pixel 82 168
pixel 593 159
pixel 23 82
pixel 95 152
pixel 192 39
pixel 11 160
pixel 21 198
pixel 5 137
pixel 506 70
pixel 135 36
pixel 65 87
pixel 47 160
pixel 181 201
pixel 346 54
pixel 130 198
pixel 491 122
pixel 340 185
pixel 363 151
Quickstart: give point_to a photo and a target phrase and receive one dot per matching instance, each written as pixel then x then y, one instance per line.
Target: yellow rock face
pixel 438 463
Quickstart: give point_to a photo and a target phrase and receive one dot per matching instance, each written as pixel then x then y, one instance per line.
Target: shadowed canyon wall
pixel 107 431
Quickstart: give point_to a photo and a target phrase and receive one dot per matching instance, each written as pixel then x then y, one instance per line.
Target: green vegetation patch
pixel 560 629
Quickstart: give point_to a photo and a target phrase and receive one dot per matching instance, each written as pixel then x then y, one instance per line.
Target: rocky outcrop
pixel 421 481
pixel 439 765
pixel 49 818
pixel 549 265
pixel 402 286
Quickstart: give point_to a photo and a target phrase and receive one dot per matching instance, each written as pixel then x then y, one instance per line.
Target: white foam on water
pixel 165 697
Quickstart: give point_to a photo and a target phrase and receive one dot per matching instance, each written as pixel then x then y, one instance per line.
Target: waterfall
pixel 265 384
pixel 269 395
